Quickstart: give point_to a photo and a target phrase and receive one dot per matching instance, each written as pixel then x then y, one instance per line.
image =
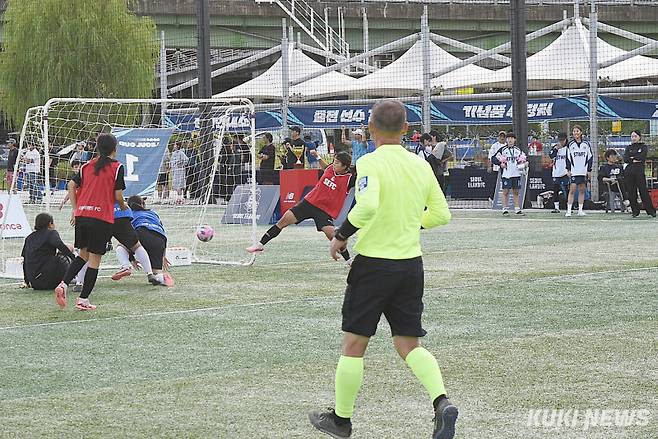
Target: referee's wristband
pixel 345 231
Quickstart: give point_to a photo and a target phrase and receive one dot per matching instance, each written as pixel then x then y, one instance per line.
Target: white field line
pixel 282 302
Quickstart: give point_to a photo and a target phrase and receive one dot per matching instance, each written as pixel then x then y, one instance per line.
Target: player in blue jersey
pixel 151 233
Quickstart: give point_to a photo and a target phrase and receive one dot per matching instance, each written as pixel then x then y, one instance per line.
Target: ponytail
pixel 106 145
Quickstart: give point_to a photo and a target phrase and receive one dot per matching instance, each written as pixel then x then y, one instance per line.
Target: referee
pixel 397 194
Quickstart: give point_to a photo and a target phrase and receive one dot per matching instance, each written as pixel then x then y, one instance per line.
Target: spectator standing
pixel 635 155
pixel 11 162
pixel 511 160
pixel 535 147
pixel 579 168
pixel 192 170
pixel 79 154
pixel 311 152
pixel 266 156
pixel 296 142
pixel 178 163
pixel 559 173
pixel 359 143
pixel 163 175
pixel 442 154
pixel 494 168
pixel 32 161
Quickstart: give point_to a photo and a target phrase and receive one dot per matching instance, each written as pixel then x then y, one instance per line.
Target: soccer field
pixel 540 312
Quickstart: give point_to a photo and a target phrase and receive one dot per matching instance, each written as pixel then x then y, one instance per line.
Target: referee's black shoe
pixel 326 422
pixel 445 417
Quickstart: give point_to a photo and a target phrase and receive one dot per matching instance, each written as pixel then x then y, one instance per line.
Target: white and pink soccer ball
pixel 205 233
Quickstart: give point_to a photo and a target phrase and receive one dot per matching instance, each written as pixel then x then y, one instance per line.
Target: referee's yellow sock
pixel 423 364
pixel 349 376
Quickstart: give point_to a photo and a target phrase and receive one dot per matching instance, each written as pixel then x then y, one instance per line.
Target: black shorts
pixel 384 286
pixel 124 232
pixel 578 179
pixel 511 183
pixel 51 273
pixel 305 210
pixel 163 179
pixel 155 245
pixel 92 234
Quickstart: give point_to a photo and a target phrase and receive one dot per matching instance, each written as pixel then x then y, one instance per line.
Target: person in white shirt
pixel 579 168
pixel 493 168
pixel 560 180
pixel 512 161
pixel 178 162
pixel 32 161
pixel 163 176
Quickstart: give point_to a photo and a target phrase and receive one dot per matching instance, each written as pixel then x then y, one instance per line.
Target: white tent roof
pixel 269 84
pixel 404 76
pixel 565 63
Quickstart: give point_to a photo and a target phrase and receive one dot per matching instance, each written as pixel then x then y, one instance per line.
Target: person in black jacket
pixel 45 257
pixel 635 155
pixel 612 173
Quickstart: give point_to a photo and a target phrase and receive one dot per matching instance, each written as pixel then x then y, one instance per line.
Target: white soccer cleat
pixel 567 214
pixel 256 248
pixel 581 213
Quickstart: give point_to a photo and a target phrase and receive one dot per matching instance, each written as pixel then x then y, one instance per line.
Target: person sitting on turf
pixel 45 257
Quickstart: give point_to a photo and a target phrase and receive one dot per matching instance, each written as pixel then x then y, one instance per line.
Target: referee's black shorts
pixel 124 232
pixel 384 286
pixel 305 210
pixel 92 234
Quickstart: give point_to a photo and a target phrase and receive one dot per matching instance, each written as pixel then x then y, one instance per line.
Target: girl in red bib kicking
pixel 322 204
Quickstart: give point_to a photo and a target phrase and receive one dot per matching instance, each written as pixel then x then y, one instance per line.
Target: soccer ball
pixel 205 233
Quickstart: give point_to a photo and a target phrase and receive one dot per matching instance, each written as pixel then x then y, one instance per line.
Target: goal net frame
pixel 214 128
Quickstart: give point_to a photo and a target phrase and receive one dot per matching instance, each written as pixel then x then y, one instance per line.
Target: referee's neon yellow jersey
pixel 393 189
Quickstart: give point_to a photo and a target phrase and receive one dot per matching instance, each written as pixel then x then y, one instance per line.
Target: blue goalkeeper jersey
pixel 149 220
pixel 118 213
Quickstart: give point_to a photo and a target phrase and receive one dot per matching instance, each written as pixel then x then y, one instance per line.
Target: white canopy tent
pixel 565 64
pixel 269 85
pixel 404 76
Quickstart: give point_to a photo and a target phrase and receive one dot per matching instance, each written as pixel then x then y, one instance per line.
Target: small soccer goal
pixel 186 157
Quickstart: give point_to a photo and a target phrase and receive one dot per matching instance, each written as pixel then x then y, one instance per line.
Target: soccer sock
pixel 349 376
pixel 123 256
pixel 80 278
pixel 568 208
pixel 75 266
pixel 90 281
pixel 271 233
pixel 143 258
pixel 345 254
pixel 423 364
pixel 556 205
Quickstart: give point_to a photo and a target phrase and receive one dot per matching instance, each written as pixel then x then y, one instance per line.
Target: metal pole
pixel 163 78
pixel 427 77
pixel 519 78
pixel 285 81
pixel 203 49
pixel 593 98
pixel 366 36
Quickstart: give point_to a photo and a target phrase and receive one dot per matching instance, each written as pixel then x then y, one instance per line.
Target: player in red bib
pixel 322 204
pixel 92 192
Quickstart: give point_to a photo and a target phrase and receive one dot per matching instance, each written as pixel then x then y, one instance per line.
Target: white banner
pixel 13 222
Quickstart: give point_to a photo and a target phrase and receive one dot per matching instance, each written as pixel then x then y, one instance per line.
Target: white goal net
pixel 186 157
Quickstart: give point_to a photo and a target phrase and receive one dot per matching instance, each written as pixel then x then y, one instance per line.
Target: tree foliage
pixel 74 48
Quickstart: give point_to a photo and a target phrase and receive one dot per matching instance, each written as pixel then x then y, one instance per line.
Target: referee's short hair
pixel 388 116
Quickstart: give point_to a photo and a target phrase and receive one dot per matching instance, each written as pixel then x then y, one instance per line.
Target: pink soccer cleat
pixel 84 305
pixel 256 248
pixel 123 272
pixel 60 294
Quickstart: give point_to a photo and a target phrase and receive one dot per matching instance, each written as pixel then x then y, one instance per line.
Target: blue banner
pixel 141 151
pixel 441 112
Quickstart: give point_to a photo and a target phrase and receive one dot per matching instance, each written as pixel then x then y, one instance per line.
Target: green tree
pixel 74 48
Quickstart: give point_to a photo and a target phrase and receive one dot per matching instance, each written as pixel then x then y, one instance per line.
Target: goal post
pixel 186 157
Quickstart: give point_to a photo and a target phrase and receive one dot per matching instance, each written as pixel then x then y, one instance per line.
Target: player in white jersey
pixel 512 161
pixel 579 168
pixel 495 147
pixel 559 174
